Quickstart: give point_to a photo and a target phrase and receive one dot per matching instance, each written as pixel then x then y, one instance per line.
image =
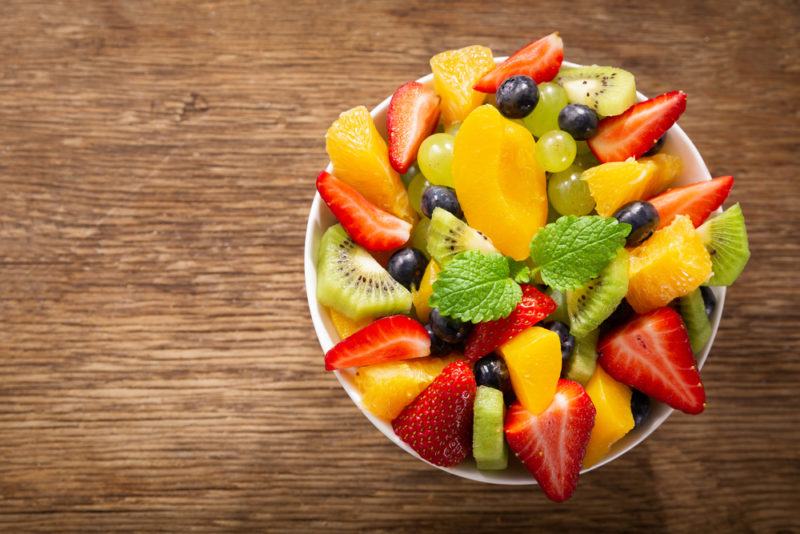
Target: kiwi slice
pixel 607 90
pixel 448 235
pixel 592 304
pixel 725 238
pixel 693 311
pixel 352 282
pixel 583 360
pixel 488 443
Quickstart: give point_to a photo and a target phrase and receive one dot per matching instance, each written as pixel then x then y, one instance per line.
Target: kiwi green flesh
pixel 582 362
pixel 693 312
pixel 607 90
pixel 592 304
pixel 488 442
pixel 560 299
pixel 449 235
pixel 352 282
pixel 725 238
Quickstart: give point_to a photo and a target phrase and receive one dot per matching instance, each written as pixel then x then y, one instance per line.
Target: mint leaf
pixel 475 287
pixel 573 250
pixel 519 271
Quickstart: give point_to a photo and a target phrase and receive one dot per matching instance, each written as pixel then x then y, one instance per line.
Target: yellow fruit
pixel 499 184
pixel 421 295
pixel 455 72
pixel 671 264
pixel 612 400
pixel 387 388
pixel 668 167
pixel 361 159
pixel 533 358
pixel 346 326
pixel 614 184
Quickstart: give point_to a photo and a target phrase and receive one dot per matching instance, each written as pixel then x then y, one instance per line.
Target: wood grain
pixel 158 367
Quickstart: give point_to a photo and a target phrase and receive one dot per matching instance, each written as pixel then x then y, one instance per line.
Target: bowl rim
pixel 327 336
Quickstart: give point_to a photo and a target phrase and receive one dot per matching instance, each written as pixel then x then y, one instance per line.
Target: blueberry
pixel 640 407
pixel 491 371
pixel 620 315
pixel 643 218
pixel 578 120
pixel 448 329
pixel 709 299
pixel 437 196
pixel 656 148
pixel 567 339
pixel 438 346
pixel 407 266
pixel 517 96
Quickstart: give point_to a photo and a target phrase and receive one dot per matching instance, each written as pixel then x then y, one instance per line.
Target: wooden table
pixel 158 367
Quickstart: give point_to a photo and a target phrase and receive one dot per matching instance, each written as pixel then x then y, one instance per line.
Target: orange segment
pixel 346 326
pixel 612 401
pixel 668 167
pixel 671 264
pixel 533 358
pixel 360 158
pixel 499 184
pixel 455 72
pixel 420 296
pixel 613 185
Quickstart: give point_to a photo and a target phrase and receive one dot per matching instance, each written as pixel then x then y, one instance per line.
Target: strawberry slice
pixel 634 132
pixel 540 60
pixel 698 200
pixel 553 443
pixel 412 116
pixel 485 337
pixel 438 423
pixel 652 354
pixel 368 225
pixel 388 339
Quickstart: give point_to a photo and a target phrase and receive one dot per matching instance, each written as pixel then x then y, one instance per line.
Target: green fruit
pixel 592 304
pixel 416 187
pixel 568 194
pixel 693 311
pixel 725 238
pixel 560 299
pixel 435 159
pixel 488 441
pixel 607 90
pixel 352 282
pixel 449 235
pixel 544 117
pixel 555 150
pixel 583 360
pixel 419 236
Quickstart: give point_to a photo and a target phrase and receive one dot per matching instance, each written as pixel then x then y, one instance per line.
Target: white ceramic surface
pixel 320 218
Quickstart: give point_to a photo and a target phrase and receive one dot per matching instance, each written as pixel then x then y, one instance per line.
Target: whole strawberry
pixel 438 423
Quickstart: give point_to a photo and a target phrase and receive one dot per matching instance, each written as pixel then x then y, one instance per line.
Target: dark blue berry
pixel 567 339
pixel 621 314
pixel 656 148
pixel 578 120
pixel 492 371
pixel 517 96
pixel 437 196
pixel 640 407
pixel 448 329
pixel 709 299
pixel 407 266
pixel 643 218
pixel 438 346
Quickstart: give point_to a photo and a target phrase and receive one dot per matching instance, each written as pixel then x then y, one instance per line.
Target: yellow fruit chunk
pixel 361 159
pixel 499 184
pixel 613 419
pixel 614 184
pixel 421 295
pixel 455 72
pixel 671 264
pixel 346 326
pixel 387 388
pixel 668 167
pixel 533 358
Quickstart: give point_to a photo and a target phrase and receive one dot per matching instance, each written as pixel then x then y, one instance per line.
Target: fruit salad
pixel 514 269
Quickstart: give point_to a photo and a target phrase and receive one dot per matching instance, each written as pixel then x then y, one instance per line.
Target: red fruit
pixel 553 443
pixel 438 423
pixel 368 225
pixel 634 132
pixel 413 115
pixel 540 60
pixel 388 339
pixel 697 201
pixel 652 354
pixel 485 337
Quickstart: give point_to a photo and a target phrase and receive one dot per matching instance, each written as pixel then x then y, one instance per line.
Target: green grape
pixel 415 190
pixel 435 159
pixel 453 128
pixel 555 150
pixel 409 175
pixel 584 157
pixel 568 194
pixel 419 236
pixel 544 116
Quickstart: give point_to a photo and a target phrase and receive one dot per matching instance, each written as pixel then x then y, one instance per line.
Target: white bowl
pixel 320 218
